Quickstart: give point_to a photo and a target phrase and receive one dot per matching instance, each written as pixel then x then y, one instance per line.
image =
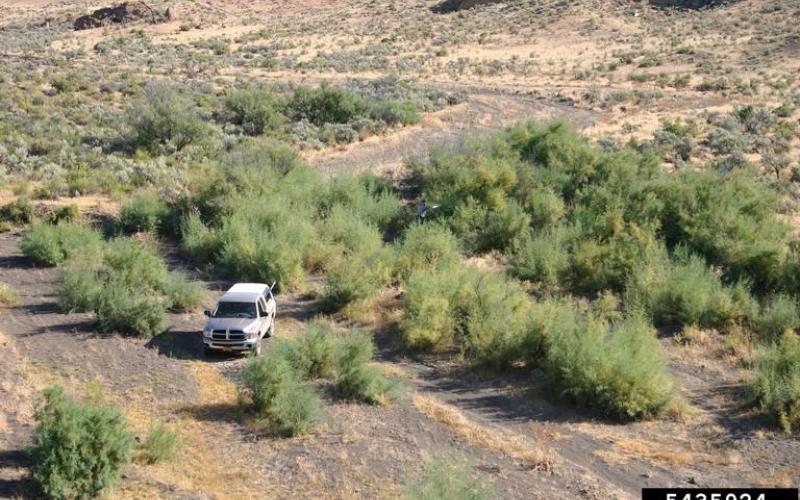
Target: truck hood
pixel 243 324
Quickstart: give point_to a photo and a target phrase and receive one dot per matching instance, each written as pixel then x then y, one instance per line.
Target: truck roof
pixel 244 292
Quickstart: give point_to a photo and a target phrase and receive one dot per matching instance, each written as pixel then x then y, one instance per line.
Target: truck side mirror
pixel 207 313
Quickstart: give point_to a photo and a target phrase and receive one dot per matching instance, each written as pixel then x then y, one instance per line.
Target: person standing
pixel 422 211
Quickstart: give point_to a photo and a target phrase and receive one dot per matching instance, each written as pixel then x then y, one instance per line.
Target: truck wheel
pixel 271 328
pixel 257 348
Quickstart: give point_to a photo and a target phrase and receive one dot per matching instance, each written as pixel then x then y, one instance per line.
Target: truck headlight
pixel 206 333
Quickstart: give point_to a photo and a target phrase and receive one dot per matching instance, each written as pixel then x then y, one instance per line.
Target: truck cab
pixel 241 319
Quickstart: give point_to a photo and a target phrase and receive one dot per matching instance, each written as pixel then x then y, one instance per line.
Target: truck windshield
pixel 235 310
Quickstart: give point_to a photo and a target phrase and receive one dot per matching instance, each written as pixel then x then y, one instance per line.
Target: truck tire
pixel 257 348
pixel 271 329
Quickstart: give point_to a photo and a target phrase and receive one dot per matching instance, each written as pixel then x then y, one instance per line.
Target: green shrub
pixel 776 380
pixel 79 448
pixel 286 404
pixel 143 212
pixel 65 213
pixel 685 291
pixel 55 244
pixel 357 276
pixel 198 239
pixel 326 104
pixel 429 304
pixel 544 206
pixel 780 314
pixel 79 287
pixel 316 352
pixel 121 309
pixel 428 246
pixel 541 258
pixel 340 356
pixel 366 196
pixel 355 377
pixel 725 142
pixel 128 287
pixel 256 110
pixel 730 221
pixel 181 294
pixel 164 117
pixel 491 315
pixel 617 368
pixel 17 212
pixel 160 445
pixel 396 113
pixel 447 480
pixel 349 232
pixel 497 320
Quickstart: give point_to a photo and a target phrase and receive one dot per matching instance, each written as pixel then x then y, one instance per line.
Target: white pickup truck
pixel 242 318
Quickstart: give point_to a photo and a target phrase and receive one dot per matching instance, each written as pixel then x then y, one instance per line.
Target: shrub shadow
pixel 23 487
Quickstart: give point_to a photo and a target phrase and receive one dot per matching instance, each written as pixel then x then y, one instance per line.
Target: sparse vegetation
pixel 447 479
pixel 160 445
pixel 776 381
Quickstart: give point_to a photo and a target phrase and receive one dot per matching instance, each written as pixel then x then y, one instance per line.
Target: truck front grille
pixel 225 335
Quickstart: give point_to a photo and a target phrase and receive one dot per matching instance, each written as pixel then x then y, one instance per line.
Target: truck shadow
pixel 187 345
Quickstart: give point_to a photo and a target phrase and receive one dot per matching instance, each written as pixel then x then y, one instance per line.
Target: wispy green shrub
pixel 128 287
pixel 7 295
pixel 182 294
pixel 326 104
pixel 316 352
pixel 617 368
pixel 340 356
pixel 776 380
pixel 541 258
pixel 429 303
pixel 446 479
pixel 286 404
pixel 164 117
pixel 79 448
pixel 496 315
pixel 79 287
pixel 143 212
pixel 396 113
pixel 357 276
pixel 355 377
pixel 18 212
pixel 257 110
pixel 489 315
pixel 427 246
pixel 730 221
pixel 160 445
pixel 370 198
pixel 780 314
pixel 55 244
pixel 684 291
pixel 122 309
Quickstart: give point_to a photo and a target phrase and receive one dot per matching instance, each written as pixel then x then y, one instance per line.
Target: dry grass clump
pixel 485 437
